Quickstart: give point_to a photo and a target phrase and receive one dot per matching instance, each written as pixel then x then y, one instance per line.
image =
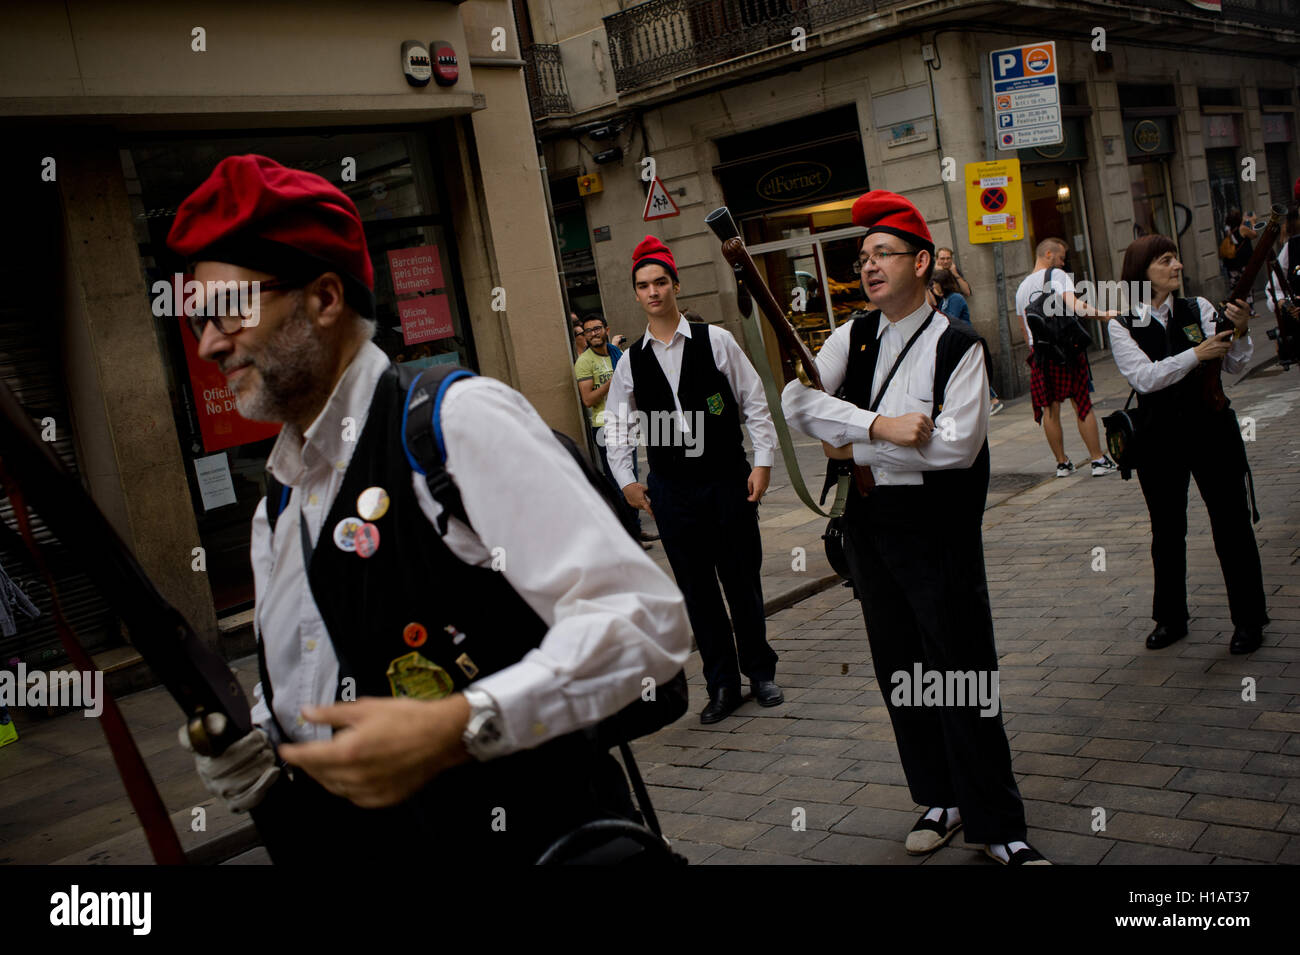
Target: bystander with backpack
pixel 447 612
pixel 1058 357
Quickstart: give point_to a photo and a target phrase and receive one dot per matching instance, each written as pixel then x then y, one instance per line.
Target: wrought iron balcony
pixel 658 39
pixel 548 93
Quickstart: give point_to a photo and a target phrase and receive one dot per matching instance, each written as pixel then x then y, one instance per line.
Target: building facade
pixel 785 110
pixel 113 113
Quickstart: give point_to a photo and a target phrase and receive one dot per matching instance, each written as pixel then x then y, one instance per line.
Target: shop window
pixel 419 316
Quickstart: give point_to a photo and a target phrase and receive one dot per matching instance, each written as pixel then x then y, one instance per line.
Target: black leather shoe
pixel 721 706
pixel 1162 636
pixel 767 693
pixel 1246 639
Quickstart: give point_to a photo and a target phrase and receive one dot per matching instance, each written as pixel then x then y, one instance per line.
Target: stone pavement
pixel 1184 769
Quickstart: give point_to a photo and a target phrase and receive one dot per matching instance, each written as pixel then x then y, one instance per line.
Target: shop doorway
pixel 1055 208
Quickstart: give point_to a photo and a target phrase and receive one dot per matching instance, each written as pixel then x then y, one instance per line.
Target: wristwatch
pixel 484 736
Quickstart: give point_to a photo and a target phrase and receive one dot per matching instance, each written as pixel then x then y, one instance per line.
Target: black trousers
pixel 1212 452
pixel 925 601
pixel 710 534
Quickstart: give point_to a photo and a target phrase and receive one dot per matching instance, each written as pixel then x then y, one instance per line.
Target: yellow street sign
pixel 995 205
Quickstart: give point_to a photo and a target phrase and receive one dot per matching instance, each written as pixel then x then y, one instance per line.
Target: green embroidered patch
pixel 715 403
pixel 1194 333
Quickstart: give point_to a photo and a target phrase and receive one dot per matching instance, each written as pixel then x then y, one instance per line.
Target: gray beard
pixel 293 372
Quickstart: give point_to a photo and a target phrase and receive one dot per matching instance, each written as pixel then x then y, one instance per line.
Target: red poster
pixel 219 423
pixel 415 270
pixel 425 319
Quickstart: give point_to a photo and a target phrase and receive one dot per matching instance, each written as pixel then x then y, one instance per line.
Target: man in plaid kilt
pixel 1051 382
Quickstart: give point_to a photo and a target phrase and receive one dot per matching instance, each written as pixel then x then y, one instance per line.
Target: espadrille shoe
pixel 1027 855
pixel 929 834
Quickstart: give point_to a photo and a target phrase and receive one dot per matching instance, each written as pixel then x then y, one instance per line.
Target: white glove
pixel 242 774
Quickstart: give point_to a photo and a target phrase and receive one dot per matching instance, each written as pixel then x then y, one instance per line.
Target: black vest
pixel 955 493
pixel 474 624
pixel 1183 400
pixel 1292 272
pixel 702 388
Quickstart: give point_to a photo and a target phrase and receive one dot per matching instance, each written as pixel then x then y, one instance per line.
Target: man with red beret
pixel 694 386
pixel 428 671
pixel 914 544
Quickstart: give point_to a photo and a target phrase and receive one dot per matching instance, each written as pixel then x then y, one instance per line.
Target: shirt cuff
pixel 862 420
pixel 864 453
pixel 763 459
pixel 522 693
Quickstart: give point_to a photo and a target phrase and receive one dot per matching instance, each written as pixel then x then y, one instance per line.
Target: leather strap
pixel 758 355
pixel 148 805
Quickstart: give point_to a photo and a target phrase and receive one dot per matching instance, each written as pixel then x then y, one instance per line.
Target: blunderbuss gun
pixel 214 705
pixel 1287 333
pixel 797 360
pixel 1212 386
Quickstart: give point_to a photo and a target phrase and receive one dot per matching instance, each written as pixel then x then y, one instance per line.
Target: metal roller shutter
pixel 30 364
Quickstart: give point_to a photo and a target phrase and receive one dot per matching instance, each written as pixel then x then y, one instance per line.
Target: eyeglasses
pixel 877 257
pixel 227 308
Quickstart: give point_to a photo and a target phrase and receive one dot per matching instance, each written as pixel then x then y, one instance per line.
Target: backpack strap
pixel 277 499
pixel 422 439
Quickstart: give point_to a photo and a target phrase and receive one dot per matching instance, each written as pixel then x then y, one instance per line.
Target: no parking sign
pixel 994 201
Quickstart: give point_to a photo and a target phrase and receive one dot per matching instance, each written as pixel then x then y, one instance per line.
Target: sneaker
pixel 996 407
pixel 1064 469
pixel 1104 465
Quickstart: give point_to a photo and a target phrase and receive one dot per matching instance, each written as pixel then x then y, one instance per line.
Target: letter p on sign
pixel 1006 62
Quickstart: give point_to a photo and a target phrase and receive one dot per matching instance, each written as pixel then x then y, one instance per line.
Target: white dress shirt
pixel 1146 375
pixel 614 617
pixel 960 428
pixel 735 367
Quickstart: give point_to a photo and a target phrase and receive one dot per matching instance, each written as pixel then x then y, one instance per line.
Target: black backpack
pixel 1058 336
pixel 423 443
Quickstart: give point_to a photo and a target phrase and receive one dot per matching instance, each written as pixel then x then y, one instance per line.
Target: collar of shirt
pixel 683 329
pixel 322 447
pixel 906 326
pixel 1162 313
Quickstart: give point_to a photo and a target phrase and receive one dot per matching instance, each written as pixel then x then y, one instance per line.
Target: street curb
pixel 788 598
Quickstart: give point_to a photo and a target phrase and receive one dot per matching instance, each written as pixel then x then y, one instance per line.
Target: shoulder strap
pixel 277 498
pixel 422 440
pixel 899 360
pixel 1047 279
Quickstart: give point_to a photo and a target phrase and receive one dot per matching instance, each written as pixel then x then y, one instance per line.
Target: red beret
pixel 650 251
pixel 888 212
pixel 253 212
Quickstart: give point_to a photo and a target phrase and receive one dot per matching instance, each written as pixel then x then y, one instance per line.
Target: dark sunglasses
pixel 225 309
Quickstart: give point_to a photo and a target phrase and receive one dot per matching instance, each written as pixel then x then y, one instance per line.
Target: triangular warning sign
pixel 658 204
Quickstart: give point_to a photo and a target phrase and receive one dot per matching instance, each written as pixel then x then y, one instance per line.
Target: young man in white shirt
pixel 1051 383
pixel 914 544
pixel 691 387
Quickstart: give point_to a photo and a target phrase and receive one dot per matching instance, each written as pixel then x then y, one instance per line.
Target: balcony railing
pixel 653 41
pixel 660 38
pixel 548 93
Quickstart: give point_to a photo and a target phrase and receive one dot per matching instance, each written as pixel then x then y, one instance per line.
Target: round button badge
pixel 415 634
pixel 372 503
pixel 345 534
pixel 367 540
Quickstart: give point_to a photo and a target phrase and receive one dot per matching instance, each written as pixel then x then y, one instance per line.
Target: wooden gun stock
pixel 795 354
pixel 1212 387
